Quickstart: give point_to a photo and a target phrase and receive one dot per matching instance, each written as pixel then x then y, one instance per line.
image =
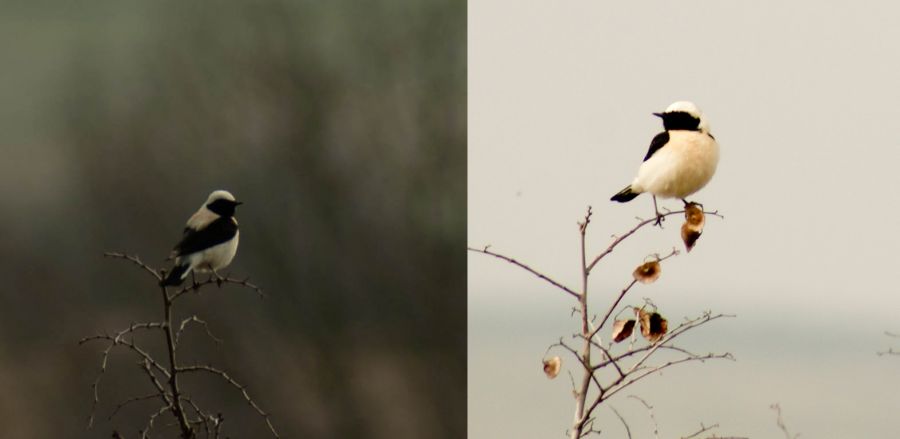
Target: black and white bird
pixel 210 239
pixel 681 160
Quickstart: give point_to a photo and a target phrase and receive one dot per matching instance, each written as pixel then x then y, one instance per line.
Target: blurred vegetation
pixel 342 127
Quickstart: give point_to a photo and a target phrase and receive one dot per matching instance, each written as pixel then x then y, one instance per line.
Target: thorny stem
pixel 168 390
pixel 187 431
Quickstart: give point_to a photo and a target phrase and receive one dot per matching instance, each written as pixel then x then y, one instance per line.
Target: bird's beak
pixel 658 114
pixel 238 203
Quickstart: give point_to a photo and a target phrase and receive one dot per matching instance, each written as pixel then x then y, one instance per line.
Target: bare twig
pixel 703 429
pixel 197 320
pixel 168 390
pixel 235 384
pixel 780 422
pixel 145 433
pixel 650 411
pixel 135 260
pixel 627 429
pixel 618 240
pixel 218 281
pixel 131 400
pixel 526 268
pixel 638 357
pixel 890 351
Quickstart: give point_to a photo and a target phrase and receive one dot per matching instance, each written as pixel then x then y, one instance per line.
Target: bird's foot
pixel 219 279
pixel 659 220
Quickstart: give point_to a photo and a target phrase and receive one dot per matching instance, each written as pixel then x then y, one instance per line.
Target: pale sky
pixel 803 99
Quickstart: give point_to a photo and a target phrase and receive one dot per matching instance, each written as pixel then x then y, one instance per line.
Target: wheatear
pixel 681 160
pixel 210 239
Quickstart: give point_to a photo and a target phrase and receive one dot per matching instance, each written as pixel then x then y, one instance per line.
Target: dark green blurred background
pixel 340 124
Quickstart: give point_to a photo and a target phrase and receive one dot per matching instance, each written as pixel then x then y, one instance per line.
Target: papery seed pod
pixel 653 325
pixel 690 236
pixel 694 220
pixel 622 329
pixel 552 366
pixel 694 216
pixel 648 272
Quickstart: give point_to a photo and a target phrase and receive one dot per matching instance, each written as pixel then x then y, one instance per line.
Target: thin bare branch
pixel 129 401
pixel 612 307
pixel 583 419
pixel 235 384
pixel 650 411
pixel 218 281
pixel 780 422
pixel 627 429
pixel 618 240
pixel 116 340
pixel 135 260
pixel 890 351
pixel 168 389
pixel 703 429
pixel 145 433
pixel 195 319
pixel 526 268
pixel 647 371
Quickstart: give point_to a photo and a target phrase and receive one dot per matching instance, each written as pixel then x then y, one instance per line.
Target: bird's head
pixel 222 203
pixel 684 115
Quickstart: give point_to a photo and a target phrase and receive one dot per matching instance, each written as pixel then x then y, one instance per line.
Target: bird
pixel 210 239
pixel 681 160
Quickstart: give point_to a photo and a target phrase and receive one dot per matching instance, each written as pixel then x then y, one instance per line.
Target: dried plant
pixel 779 421
pixel 891 350
pixel 164 376
pixel 608 368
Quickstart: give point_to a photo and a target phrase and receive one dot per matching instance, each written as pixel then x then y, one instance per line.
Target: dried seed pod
pixel 653 325
pixel 690 236
pixel 622 329
pixel 552 366
pixel 694 220
pixel 694 216
pixel 648 272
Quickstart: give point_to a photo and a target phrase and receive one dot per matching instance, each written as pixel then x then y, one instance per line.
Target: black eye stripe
pixel 222 207
pixel 680 120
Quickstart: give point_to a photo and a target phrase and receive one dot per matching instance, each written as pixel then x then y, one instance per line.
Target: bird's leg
pixel 659 217
pixel 219 279
pixel 194 280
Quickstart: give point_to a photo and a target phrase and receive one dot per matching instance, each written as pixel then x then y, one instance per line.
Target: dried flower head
pixel 552 366
pixel 622 329
pixel 653 325
pixel 648 272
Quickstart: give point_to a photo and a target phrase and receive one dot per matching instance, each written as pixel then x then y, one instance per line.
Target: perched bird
pixel 681 160
pixel 210 239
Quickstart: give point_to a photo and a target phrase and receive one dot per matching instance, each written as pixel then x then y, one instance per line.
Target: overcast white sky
pixel 804 99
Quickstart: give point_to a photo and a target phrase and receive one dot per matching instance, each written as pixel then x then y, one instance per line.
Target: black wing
pixel 217 232
pixel 658 142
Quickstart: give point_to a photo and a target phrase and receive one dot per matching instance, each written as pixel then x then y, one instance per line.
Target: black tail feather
pixel 175 277
pixel 625 195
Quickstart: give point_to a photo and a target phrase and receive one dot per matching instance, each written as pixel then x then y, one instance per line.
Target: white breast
pixel 216 257
pixel 681 168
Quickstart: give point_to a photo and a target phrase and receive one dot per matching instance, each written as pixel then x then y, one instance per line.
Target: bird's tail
pixel 625 195
pixel 176 276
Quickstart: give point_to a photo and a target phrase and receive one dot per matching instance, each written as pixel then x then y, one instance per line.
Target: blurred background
pixel 342 127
